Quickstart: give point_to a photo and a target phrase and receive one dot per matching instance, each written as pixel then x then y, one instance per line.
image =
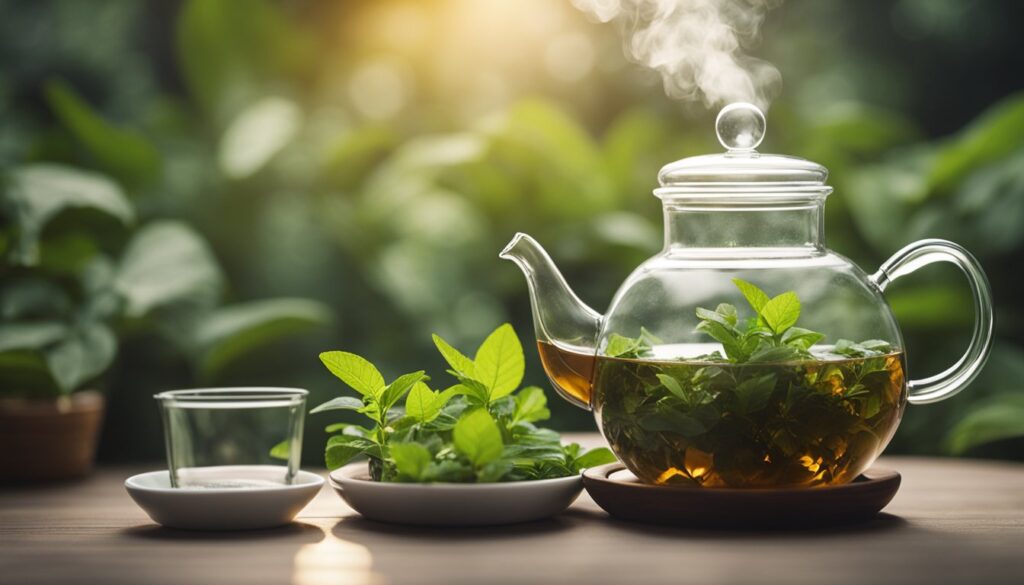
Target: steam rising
pixel 696 45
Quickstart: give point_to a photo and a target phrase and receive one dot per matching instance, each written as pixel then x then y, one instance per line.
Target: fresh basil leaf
pixel 355 371
pixel 593 458
pixel 449 471
pixel 493 471
pixel 499 362
pixel 531 405
pixel 343 448
pixel 503 409
pixel 282 450
pixel 478 437
pixel 781 312
pixel 423 404
pixel 472 389
pixel 459 362
pixel 528 434
pixel 340 403
pixel 754 295
pixel 411 459
pixel 397 389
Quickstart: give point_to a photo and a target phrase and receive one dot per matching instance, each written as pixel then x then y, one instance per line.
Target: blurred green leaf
pixel 633 149
pixel 226 53
pixel 997 132
pixel 997 418
pixel 229 333
pixel 166 263
pixel 854 128
pixel 33 297
pixel 985 213
pixel 258 133
pixel 26 373
pixel 126 154
pixel 354 153
pixel 561 164
pixel 85 353
pixel 38 193
pixel 627 229
pixel 68 252
pixel 932 306
pixel 30 335
pixel 883 197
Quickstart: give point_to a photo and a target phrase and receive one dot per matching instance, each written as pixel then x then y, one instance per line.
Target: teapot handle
pixel 956 377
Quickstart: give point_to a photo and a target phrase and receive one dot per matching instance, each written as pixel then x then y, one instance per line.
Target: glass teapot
pixel 745 353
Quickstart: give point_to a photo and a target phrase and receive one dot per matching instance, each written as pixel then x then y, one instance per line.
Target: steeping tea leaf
pixel 754 295
pixel 768 412
pixel 781 312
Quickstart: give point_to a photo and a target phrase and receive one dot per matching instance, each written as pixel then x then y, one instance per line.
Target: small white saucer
pixel 454 504
pixel 223 508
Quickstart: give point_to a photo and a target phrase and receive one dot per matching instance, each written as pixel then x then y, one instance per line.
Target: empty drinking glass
pixel 233 437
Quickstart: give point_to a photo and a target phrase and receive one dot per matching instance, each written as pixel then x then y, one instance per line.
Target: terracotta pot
pixel 49 439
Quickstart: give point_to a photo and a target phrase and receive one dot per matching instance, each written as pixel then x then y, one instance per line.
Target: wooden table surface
pixel 953 521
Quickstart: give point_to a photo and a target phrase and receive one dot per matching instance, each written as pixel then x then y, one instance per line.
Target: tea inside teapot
pixel 779 412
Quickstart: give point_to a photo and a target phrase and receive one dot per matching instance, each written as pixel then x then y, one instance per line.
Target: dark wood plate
pixel 622 495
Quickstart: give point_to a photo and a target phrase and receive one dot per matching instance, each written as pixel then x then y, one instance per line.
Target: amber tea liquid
pixel 697 423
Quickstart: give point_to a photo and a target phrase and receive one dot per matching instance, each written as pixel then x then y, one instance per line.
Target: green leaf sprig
pixel 480 429
pixel 770 336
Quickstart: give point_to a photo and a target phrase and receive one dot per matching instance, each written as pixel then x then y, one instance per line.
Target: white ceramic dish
pixel 453 504
pixel 223 508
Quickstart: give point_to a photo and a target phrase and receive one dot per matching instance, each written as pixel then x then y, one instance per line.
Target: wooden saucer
pixel 622 495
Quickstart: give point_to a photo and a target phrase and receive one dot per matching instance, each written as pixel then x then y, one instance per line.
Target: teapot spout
pixel 566 328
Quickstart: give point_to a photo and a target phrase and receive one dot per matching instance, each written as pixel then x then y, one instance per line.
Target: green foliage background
pixel 375 155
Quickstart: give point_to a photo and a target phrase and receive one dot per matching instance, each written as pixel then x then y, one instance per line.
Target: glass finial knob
pixel 740 127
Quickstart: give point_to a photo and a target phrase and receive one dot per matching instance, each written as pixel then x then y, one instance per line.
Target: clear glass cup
pixel 233 437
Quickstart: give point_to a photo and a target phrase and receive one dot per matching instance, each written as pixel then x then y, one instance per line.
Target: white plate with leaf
pixel 454 504
pixel 467 455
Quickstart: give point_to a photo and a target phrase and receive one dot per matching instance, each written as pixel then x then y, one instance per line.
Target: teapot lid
pixel 741 169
